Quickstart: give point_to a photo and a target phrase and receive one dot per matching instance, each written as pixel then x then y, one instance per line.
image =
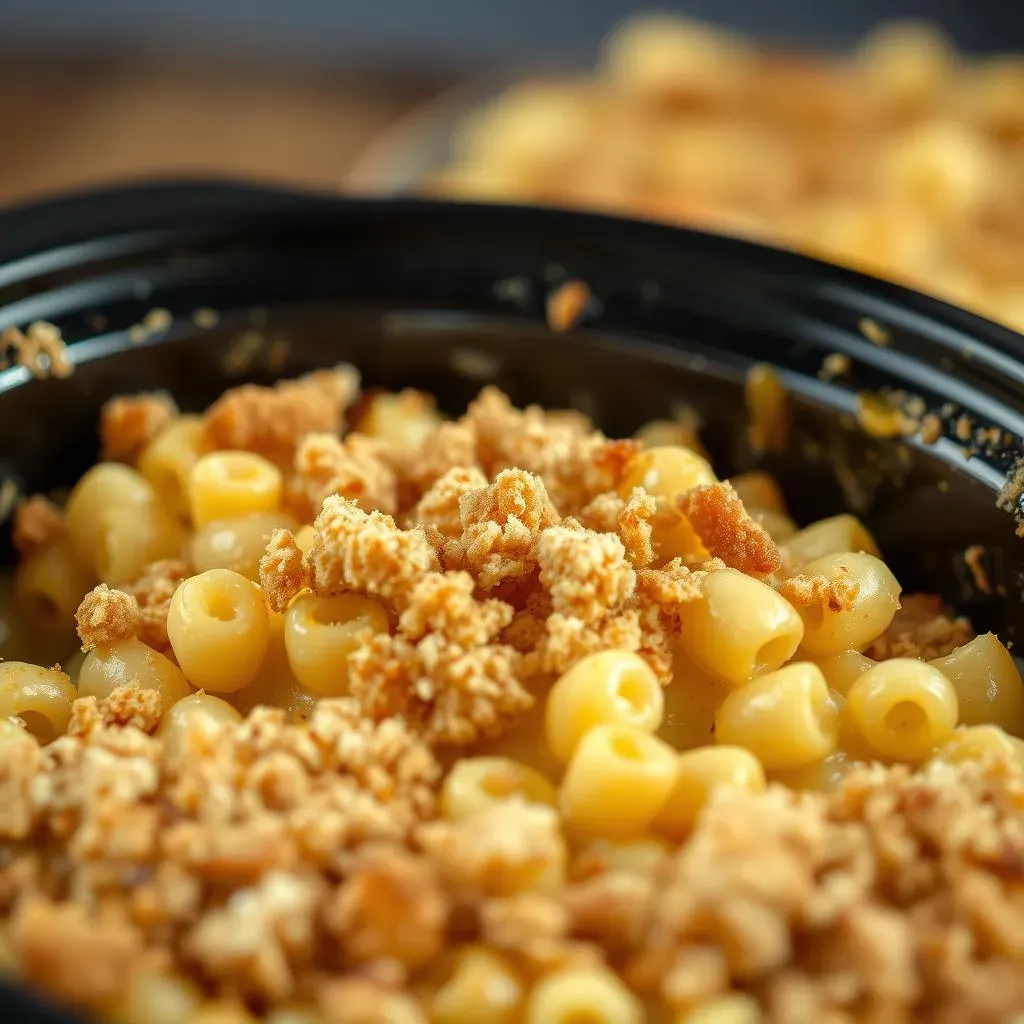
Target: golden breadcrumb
pixel 601 513
pixel 566 305
pixel 153 590
pixel 361 1000
pixel 974 559
pixel 366 552
pixel 443 603
pixel 634 519
pixel 509 848
pixel 391 908
pixel 931 428
pixel 439 507
pixel 124 705
pixel 37 523
pixel 354 468
pixel 533 930
pixel 444 671
pixel 921 629
pixel 501 524
pixel 453 696
pixel 283 570
pixel 891 892
pixel 727 530
pixel 453 446
pixel 575 461
pixel 105 616
pixel 674 584
pixel 837 593
pixel 40 349
pixel 635 527
pixel 272 421
pixel 129 422
pixel 560 641
pixel 87 964
pixel 586 573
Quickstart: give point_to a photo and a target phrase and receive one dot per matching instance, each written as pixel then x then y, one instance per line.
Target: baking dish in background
pixel 447 297
pixel 901 158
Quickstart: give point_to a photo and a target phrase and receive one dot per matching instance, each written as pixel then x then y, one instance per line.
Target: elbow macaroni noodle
pixel 618 748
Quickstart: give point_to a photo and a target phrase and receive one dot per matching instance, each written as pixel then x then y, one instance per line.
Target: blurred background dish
pixel 901 151
pixel 900 157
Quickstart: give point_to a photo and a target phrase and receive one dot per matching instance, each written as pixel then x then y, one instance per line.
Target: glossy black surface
pixel 448 297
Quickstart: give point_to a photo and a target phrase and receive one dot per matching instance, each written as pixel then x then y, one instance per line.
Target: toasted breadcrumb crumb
pixel 586 574
pixel 453 696
pixel 443 671
pixel 727 530
pixel 635 529
pixel 105 616
pixel 575 461
pixel 453 446
pixel 89 963
pixel 354 468
pixel 501 524
pixel 673 584
pixel 129 422
pixel 37 523
pixel 931 428
pixel 921 629
pixel 566 305
pixel 392 907
pixel 360 1000
pixel 533 929
pixel 128 704
pixel 836 593
pixel 874 331
pixel 272 421
pixel 40 349
pixel 835 364
pixel 153 590
pixel 283 570
pixel 439 507
pixel 506 849
pixel 366 552
pixel 974 558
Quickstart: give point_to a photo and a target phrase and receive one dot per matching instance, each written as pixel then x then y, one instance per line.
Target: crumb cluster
pixel 38 522
pixel 264 861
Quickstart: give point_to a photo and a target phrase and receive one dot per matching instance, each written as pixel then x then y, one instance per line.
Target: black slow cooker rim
pixel 652 280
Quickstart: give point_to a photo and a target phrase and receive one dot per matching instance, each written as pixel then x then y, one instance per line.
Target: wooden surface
pixel 67 127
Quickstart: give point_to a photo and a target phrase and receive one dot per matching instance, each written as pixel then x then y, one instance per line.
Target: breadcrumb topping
pixel 366 552
pixel 283 570
pixel 440 506
pixel 105 616
pixel 37 523
pixel 836 593
pixel 286 863
pixel 129 422
pixel 921 629
pixel 40 349
pixel 273 421
pixel 727 531
pixel 566 305
pixel 585 573
pixel 153 591
pixel 354 469
pixel 501 525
